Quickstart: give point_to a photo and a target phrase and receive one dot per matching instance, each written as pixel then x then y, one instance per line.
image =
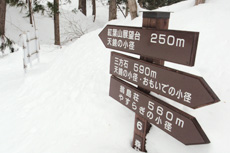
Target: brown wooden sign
pixel 169 45
pixel 187 89
pixel 173 121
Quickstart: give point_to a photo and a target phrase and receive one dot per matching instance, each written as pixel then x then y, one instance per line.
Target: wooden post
pixel 25 59
pixel 28 47
pixel 37 45
pixel 154 20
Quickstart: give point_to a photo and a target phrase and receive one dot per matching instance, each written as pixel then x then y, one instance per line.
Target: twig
pixel 121 10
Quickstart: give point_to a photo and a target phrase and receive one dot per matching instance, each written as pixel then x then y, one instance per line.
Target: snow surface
pixel 62 105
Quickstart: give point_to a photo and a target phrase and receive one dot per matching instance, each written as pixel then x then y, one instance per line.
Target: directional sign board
pixel 169 45
pixel 187 89
pixel 173 121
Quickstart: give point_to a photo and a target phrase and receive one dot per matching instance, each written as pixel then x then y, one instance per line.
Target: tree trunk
pixel 30 11
pixel 82 6
pixel 2 16
pixel 56 23
pixel 141 2
pixel 126 9
pixel 112 10
pixel 94 10
pixel 199 2
pixel 132 8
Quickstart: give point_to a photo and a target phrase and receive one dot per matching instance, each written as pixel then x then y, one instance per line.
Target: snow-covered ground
pixel 62 105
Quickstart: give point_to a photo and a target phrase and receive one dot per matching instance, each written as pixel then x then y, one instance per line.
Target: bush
pixel 6 45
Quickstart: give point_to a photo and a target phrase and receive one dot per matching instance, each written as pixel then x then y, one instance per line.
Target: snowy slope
pixel 62 105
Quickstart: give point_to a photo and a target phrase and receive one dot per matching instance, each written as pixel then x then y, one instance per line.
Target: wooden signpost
pixel 155 44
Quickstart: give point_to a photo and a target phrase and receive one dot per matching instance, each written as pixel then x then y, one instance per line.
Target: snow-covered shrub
pixel 73 25
pixel 6 45
pixel 72 29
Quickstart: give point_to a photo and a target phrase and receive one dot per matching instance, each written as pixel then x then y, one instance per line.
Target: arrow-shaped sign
pixel 185 88
pixel 173 121
pixel 169 45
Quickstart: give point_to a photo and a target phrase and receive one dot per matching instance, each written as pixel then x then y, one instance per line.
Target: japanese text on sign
pixel 175 122
pixel 185 88
pixel 116 36
pixel 168 45
pixel 148 77
pixel 137 142
pixel 170 40
pixel 153 111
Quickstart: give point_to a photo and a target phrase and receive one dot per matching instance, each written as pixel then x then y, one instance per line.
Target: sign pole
pixel 151 20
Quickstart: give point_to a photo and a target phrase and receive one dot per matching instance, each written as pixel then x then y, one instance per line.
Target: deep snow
pixel 62 105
